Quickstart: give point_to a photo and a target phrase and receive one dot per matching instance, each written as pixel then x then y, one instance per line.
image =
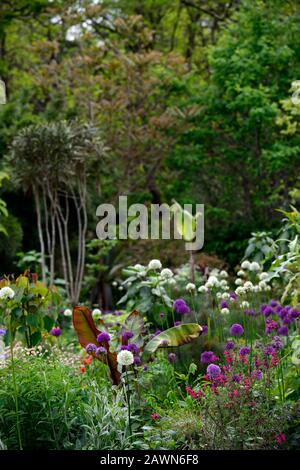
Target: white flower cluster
pixel 68 312
pixel 6 293
pixel 254 266
pixel 125 358
pixel 154 265
pixel 96 313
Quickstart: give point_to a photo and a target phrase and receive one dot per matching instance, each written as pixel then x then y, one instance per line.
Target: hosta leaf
pixel 87 333
pixel 176 336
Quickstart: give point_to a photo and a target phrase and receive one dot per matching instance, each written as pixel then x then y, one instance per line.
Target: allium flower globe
pixel 103 337
pixel 166 273
pixel 68 312
pixel 203 289
pixel 213 371
pixel 6 293
pixel 236 329
pixel 56 331
pixel 96 313
pixel 245 265
pixel 125 358
pixel 91 348
pixel 254 266
pixel 190 287
pixel 154 265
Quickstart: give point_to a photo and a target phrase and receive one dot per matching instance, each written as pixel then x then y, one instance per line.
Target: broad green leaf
pixel 176 336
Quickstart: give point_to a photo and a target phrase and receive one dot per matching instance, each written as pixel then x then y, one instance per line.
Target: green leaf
pixel 176 336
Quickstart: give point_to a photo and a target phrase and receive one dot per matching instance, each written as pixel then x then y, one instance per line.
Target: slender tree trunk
pixel 40 233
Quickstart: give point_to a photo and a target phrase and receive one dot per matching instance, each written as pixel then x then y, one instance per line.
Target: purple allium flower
pixel 233 295
pixel 103 337
pixel 91 348
pixel 268 350
pixel 181 307
pixel 56 331
pixel 172 358
pixel 236 329
pixel 124 347
pixel 161 315
pixel 263 307
pixel 257 374
pixel 213 371
pixel 277 342
pixel 158 332
pixel 294 314
pixel 273 303
pixel 137 361
pixel 132 347
pixel 204 329
pixel 244 351
pixel 224 304
pixel 177 323
pixel 236 378
pixel 145 367
pixel 287 320
pixel 164 342
pixel 207 357
pixel 250 312
pixel 127 335
pixel 100 350
pixel 283 331
pixel 2 331
pixel 268 311
pixel 229 345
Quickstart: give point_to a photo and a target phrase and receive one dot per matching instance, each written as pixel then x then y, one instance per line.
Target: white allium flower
pixel 248 286
pixel 256 289
pixel 254 266
pixel 120 288
pixel 231 300
pixel 68 312
pixel 263 276
pixel 245 264
pixel 226 288
pixel 96 313
pixel 212 282
pixel 240 290
pixel 219 295
pixel 241 273
pixel 263 285
pixel 172 282
pixel 238 282
pixel 154 264
pixel 225 311
pixel 114 283
pixel 223 283
pixel 6 293
pixel 139 267
pixel 166 273
pixel 224 273
pixel 190 287
pixel 125 358
pixel 203 289
pixel 225 296
pixel 245 304
pixel 268 288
